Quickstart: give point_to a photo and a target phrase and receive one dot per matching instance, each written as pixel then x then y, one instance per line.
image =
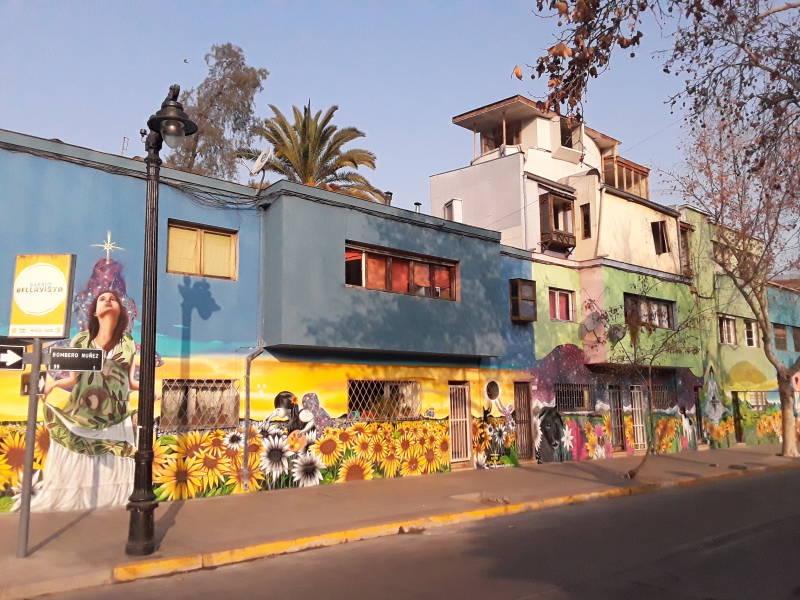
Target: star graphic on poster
pixel 108 246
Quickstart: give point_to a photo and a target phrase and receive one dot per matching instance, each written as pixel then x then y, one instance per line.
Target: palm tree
pixel 310 151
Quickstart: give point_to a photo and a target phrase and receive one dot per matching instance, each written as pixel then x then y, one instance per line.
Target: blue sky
pixel 90 73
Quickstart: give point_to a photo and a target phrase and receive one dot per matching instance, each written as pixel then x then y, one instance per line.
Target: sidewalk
pixel 75 550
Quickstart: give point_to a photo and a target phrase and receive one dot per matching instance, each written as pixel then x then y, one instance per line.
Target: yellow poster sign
pixel 42 296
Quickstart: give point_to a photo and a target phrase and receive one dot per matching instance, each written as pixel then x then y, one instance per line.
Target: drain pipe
pixel 245 471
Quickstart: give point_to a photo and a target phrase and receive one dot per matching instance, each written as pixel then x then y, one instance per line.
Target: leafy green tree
pixel 223 108
pixel 311 151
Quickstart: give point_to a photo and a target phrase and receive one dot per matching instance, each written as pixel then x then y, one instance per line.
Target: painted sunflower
pixel 344 436
pixel 357 429
pixel 41 447
pixel 181 478
pixel 191 444
pixel 444 449
pixel 412 466
pixel 253 478
pixel 216 443
pixel 429 460
pixel 390 461
pixel 13 449
pixel 362 447
pixel 161 456
pixel 215 469
pixel 329 449
pixel 355 469
pixel 377 448
pixel 6 472
pixel 406 447
pixel 307 469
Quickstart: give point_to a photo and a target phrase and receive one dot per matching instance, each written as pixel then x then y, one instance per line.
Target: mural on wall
pixel 292 449
pixel 85 447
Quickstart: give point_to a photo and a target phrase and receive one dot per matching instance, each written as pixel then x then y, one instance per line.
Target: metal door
pixel 522 415
pixel 460 426
pixel 617 421
pixel 637 405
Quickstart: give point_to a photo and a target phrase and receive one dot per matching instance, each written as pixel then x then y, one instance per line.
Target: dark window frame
pixel 519 299
pixel 784 345
pixel 573 397
pixel 586 221
pixel 669 305
pixel 660 237
pixel 751 331
pixel 413 260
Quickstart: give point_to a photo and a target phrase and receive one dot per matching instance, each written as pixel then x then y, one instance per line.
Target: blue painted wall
pixel 306 302
pixel 53 206
pixel 784 308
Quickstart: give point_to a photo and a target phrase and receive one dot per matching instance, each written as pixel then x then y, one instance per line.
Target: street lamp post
pixel 170 124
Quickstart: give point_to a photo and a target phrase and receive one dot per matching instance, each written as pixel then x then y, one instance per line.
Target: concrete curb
pixel 182 564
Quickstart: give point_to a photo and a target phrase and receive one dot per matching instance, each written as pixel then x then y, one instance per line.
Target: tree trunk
pixel 786 390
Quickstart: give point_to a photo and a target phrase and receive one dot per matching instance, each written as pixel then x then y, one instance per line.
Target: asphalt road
pixel 737 539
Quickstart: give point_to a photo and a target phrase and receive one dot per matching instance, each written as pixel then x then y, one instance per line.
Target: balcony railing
pixel 558 240
pixel 626 175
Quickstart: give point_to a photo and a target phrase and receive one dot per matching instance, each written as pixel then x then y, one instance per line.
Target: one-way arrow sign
pixel 11 357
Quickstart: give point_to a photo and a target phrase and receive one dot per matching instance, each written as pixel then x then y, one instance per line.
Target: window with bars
pixel 727 330
pixel 523 300
pixel 201 250
pixel 757 401
pixel 663 397
pixel 198 404
pixel 393 271
pixel 383 400
pixel 561 305
pixel 750 333
pixel 650 311
pixel 572 396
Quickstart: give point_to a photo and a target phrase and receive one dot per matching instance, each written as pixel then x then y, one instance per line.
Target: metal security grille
pixel 522 414
pixel 617 422
pixel 637 408
pixel 572 396
pixel 460 425
pixel 382 400
pixel 198 404
pixel 663 397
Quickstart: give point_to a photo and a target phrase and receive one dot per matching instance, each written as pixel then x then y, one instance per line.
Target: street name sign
pixel 11 357
pixel 75 359
pixel 42 296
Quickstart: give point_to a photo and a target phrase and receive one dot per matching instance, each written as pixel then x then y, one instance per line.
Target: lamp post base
pixel 141 533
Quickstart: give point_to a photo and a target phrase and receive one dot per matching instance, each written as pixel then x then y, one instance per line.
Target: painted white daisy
pixel 567 439
pixel 234 439
pixel 480 460
pixel 37 484
pixel 536 432
pixel 307 469
pixel 275 457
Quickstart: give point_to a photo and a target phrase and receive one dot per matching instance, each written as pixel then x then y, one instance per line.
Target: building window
pixel 686 260
pixel 659 229
pixel 201 250
pixel 650 311
pixel 198 404
pixel 523 300
pixel 382 400
pixel 586 221
pixel 561 305
pixel 556 221
pixel 572 396
pixel 750 333
pixel 392 271
pixel 796 338
pixel 780 336
pixel 727 330
pixel 663 397
pixel 566 132
pixel 757 401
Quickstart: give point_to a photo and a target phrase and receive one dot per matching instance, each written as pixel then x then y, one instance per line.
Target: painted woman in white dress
pixel 90 461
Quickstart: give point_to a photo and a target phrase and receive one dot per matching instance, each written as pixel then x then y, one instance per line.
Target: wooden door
pixel 460 426
pixel 522 415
